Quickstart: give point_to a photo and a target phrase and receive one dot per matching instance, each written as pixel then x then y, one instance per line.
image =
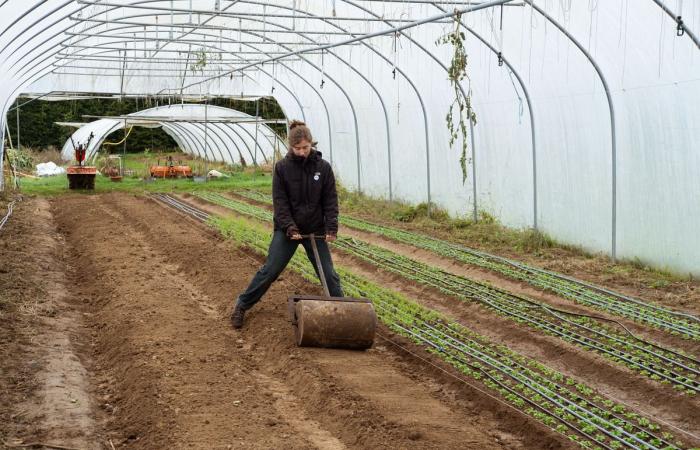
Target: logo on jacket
pixel 317 175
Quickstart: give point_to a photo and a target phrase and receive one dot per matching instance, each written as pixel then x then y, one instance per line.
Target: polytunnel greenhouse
pixel 510 190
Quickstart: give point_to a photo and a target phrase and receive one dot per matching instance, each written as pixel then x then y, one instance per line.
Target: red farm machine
pixel 81 176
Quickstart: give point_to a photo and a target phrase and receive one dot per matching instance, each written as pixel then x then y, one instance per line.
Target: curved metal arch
pixel 233 141
pixel 243 141
pixel 216 129
pixel 459 85
pixel 357 137
pixel 420 99
pixel 235 144
pixel 28 11
pixel 21 82
pixel 330 78
pixel 47 63
pixel 256 143
pixel 212 137
pixel 176 137
pixel 284 86
pixel 252 79
pixel 185 134
pixel 206 143
pixel 361 40
pixel 214 37
pixel 211 45
pixel 528 100
pixel 611 108
pixel 238 125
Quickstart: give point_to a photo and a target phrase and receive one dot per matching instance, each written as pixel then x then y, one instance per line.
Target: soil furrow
pixel 156 290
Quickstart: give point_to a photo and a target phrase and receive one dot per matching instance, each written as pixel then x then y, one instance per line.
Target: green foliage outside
pixel 38 130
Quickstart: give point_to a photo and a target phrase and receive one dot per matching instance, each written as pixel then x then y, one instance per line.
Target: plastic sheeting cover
pixel 378 107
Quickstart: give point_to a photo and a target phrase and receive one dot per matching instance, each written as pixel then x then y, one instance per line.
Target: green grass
pixel 58 185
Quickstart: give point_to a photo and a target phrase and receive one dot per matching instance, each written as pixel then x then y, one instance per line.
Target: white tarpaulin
pixel 48 169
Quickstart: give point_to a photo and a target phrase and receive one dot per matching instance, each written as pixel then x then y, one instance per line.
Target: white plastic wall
pixel 653 77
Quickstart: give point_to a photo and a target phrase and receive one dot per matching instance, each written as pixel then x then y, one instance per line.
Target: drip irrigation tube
pixel 519 308
pixel 461 349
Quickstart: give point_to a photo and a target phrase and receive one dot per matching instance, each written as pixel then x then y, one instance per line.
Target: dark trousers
pixel 278 256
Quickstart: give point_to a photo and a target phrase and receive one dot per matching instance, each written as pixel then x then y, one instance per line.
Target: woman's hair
pixel 298 131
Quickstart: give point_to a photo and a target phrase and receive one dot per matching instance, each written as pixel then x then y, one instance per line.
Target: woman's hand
pixel 330 237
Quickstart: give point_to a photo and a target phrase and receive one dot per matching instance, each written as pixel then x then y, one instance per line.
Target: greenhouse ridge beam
pixel 363 37
pixel 237 15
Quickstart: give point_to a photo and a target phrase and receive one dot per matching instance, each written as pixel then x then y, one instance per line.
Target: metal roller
pixel 332 322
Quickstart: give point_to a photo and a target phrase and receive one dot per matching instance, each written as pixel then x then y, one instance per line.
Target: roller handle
pixel 312 237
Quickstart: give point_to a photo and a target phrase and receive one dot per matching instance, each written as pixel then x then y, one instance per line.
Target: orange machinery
pixel 80 176
pixel 170 170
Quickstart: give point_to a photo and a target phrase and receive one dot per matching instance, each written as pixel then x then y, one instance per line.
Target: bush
pixel 20 158
pixel 410 213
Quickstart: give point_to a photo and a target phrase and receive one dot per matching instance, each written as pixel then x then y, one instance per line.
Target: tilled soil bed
pixel 140 298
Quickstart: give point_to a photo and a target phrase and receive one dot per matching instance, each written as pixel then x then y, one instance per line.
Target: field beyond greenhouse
pixel 115 308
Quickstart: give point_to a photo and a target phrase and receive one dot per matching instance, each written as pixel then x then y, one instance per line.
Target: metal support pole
pixel 611 108
pixel 9 136
pixel 124 148
pixel 528 100
pixel 17 111
pixel 471 134
pixel 257 114
pixel 206 135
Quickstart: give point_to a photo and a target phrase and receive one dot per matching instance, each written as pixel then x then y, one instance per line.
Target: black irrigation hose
pixel 484 293
pixel 539 390
pixel 466 283
pixel 584 341
pixel 533 385
pixel 618 302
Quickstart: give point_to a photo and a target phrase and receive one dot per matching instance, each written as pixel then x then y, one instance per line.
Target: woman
pixel 305 201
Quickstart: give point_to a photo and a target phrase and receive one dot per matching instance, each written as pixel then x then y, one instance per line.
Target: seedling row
pixel 651 360
pixel 563 404
pixel 676 323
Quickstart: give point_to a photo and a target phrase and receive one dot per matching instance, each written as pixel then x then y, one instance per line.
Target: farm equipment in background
pixel 80 176
pixel 170 170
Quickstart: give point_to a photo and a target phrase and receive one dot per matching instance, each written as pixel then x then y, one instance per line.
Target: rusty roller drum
pixel 333 322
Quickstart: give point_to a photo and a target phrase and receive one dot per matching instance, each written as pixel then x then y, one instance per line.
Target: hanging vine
pixel 200 61
pixel 460 111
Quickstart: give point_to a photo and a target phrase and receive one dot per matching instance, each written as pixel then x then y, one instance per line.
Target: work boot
pixel 237 317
